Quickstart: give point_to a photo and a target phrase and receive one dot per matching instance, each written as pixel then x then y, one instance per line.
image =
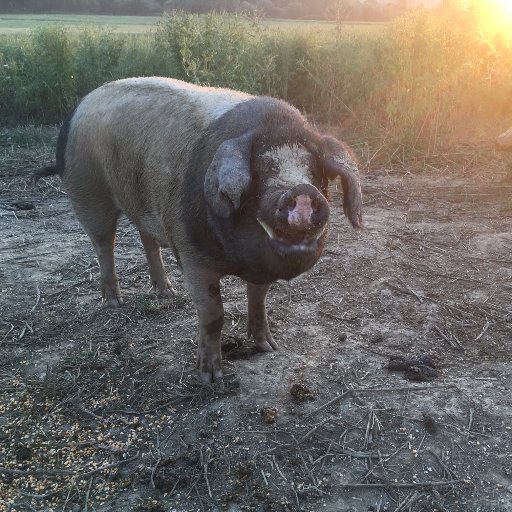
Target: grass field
pixel 13 23
pixel 16 23
pixel 359 26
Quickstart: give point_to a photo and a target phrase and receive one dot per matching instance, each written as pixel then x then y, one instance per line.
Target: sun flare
pixel 496 15
pixel 505 5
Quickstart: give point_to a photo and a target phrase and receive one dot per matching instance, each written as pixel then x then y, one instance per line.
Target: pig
pixel 234 184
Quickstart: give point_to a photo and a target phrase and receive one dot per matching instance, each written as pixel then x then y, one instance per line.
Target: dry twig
pixel 455 343
pixel 405 485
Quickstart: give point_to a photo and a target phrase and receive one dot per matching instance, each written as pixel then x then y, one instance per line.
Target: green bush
pixel 219 50
pixel 36 80
pixel 49 74
pixel 427 81
pixel 96 57
pixel 146 56
pixel 45 73
pixel 338 85
pixel 289 80
pixel 11 53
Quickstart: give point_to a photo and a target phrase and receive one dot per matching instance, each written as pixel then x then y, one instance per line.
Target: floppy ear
pixel 337 160
pixel 229 175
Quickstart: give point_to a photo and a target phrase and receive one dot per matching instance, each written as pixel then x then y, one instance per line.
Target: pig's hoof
pixel 266 345
pixel 212 377
pixel 167 293
pixel 164 290
pixel 114 302
pixel 112 299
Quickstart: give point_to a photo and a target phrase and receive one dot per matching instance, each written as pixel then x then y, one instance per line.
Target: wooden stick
pixel 405 485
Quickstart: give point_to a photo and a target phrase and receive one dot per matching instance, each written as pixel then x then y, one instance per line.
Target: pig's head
pixel 267 200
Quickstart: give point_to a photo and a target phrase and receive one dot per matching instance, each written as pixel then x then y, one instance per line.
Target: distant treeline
pixel 371 10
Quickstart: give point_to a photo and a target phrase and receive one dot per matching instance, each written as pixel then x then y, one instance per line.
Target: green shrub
pixel 219 50
pixel 102 55
pixel 289 80
pixel 36 80
pixel 49 76
pixel 10 73
pixel 96 57
pixel 338 83
pixel 429 80
pixel 146 56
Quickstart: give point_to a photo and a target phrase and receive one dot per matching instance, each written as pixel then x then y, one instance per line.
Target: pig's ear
pixel 337 160
pixel 229 175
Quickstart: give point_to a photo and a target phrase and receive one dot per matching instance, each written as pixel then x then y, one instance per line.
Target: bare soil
pixel 391 391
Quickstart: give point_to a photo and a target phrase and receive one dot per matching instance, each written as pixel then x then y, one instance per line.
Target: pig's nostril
pixel 287 203
pixel 302 208
pixel 290 203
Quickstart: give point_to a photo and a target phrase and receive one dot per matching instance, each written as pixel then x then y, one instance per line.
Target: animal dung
pixel 419 367
pixel 269 414
pixel 301 393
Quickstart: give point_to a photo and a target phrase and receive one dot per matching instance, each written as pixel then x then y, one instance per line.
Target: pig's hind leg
pixel 99 221
pixel 159 279
pixel 257 322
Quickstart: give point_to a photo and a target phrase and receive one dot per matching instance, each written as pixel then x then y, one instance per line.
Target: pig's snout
pixel 303 208
pixel 295 220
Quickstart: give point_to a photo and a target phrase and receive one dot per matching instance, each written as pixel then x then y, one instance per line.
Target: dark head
pixel 266 197
pixel 291 208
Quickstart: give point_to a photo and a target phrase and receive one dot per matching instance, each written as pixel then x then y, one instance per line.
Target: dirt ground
pixel 100 409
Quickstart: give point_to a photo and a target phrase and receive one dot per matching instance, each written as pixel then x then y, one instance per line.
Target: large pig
pixel 234 184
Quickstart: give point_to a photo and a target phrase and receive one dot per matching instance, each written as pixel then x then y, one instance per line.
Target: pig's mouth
pixel 293 243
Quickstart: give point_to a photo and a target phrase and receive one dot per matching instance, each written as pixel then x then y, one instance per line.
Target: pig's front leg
pixel 161 284
pixel 257 323
pixel 205 291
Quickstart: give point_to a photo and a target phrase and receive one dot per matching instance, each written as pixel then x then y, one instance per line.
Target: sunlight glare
pixel 496 15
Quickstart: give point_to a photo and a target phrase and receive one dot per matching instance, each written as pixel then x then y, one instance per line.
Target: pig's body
pixel 234 184
pixel 145 175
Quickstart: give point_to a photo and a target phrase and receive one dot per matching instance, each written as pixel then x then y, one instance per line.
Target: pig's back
pixel 137 136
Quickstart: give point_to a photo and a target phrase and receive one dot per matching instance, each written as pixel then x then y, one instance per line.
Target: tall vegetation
pixel 427 81
pixel 225 51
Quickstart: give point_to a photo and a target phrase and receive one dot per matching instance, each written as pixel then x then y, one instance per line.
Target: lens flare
pixel 496 16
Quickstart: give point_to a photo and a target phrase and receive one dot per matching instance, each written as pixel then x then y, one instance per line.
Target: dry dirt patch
pixel 100 409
